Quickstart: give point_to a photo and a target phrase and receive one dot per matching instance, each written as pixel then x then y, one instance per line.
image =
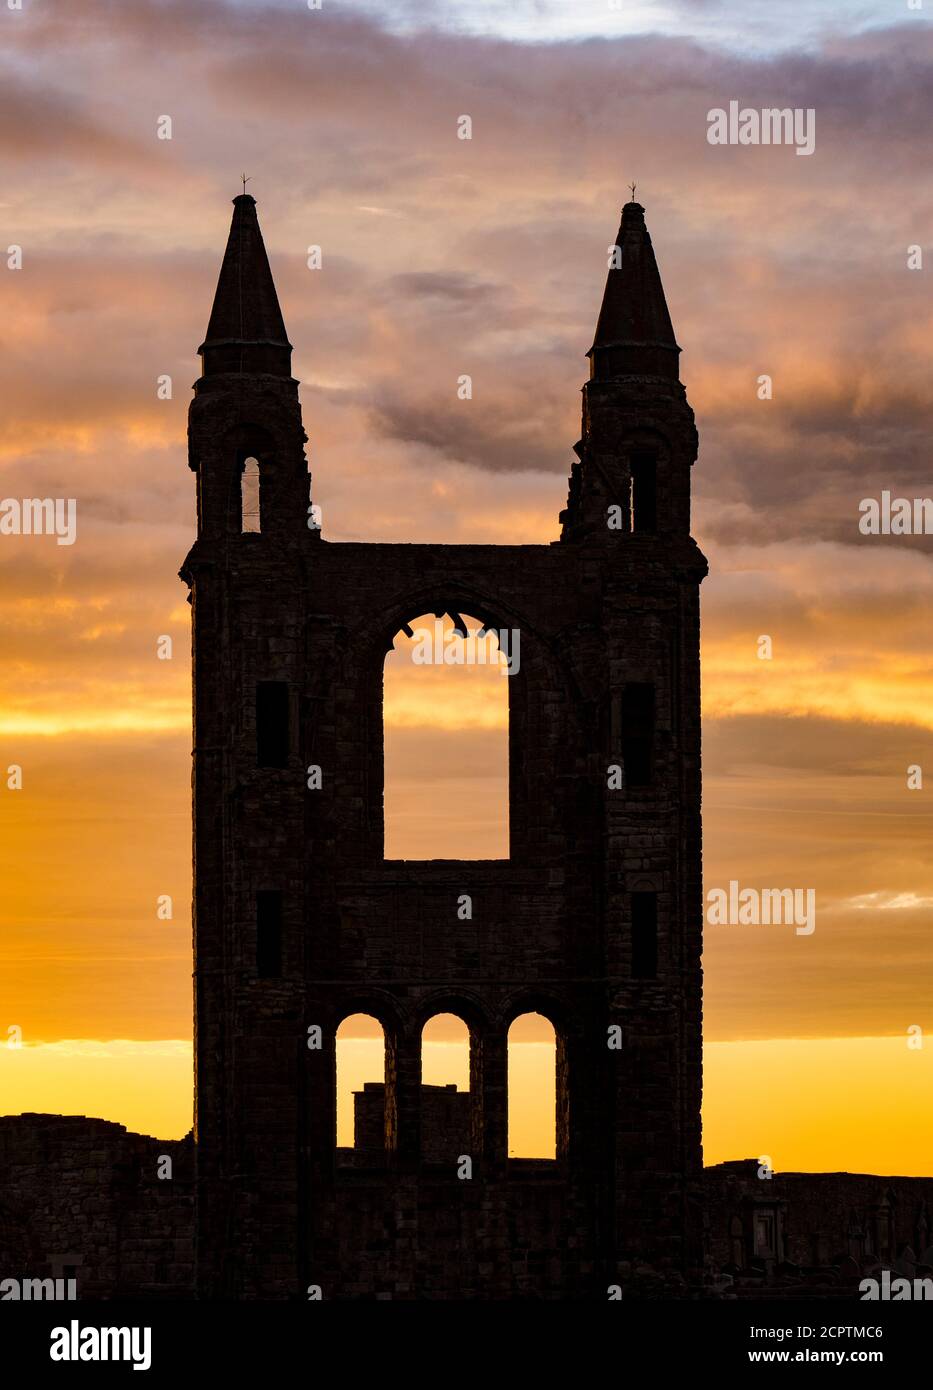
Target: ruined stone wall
pixel 82 1198
pixel 831 1228
pixel 436 1237
pixel 549 928
pixel 445 1121
pixel 600 613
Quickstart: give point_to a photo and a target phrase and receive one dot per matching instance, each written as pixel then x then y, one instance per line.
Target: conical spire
pixel 634 335
pixel 246 332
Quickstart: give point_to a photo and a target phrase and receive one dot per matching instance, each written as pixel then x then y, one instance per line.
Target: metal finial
pixel 245 181
pixel 632 187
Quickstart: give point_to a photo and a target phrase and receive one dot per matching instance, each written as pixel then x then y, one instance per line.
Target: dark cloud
pixel 454 291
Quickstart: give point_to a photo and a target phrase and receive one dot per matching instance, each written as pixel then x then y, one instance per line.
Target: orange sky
pixel 440 258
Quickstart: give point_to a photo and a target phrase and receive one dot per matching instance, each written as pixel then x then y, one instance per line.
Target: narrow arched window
pixel 250 520
pixel 361 1090
pixel 446 1103
pixel 532 1088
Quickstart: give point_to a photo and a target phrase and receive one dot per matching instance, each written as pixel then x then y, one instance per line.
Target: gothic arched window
pixel 250 517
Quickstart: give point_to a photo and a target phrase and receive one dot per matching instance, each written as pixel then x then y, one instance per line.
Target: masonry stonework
pixel 82 1199
pixel 85 1199
pixel 609 677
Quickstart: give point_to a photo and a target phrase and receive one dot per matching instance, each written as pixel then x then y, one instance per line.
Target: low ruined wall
pixel 82 1198
pixel 823 1229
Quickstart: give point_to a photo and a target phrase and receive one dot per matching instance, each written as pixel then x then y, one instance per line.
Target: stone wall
pixel 813 1232
pixel 445 1121
pixel 285 617
pixel 82 1198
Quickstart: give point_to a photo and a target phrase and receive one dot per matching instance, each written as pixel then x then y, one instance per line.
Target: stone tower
pixel 594 920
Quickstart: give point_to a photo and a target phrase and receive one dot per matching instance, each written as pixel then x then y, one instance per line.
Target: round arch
pixel 364 1091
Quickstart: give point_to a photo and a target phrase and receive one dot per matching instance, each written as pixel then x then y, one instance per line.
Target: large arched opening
pixel 446 741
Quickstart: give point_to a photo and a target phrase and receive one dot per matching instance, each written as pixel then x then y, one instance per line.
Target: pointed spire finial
pixel 634 334
pixel 245 181
pixel 246 332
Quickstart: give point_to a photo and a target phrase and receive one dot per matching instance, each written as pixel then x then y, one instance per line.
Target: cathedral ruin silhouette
pixel 594 920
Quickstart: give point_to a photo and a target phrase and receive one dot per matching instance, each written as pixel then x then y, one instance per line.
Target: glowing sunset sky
pixel 486 257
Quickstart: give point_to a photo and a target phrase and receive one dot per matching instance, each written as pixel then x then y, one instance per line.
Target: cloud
pixel 887 902
pixel 487 259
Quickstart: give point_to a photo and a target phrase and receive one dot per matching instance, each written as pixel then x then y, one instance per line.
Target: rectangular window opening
pixel 638 733
pixel 453 803
pixel 644 936
pixel 272 724
pixel 268 934
pixel 644 492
